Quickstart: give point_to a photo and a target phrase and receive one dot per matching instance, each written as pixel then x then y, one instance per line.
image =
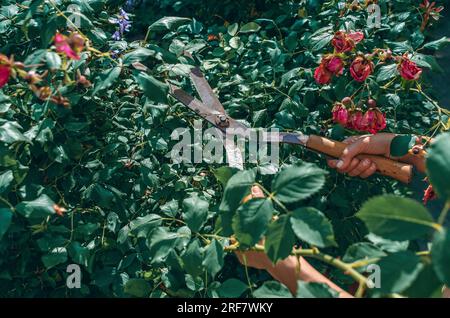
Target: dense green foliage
pixel 86 176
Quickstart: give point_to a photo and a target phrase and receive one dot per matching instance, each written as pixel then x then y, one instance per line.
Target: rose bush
pixel 86 176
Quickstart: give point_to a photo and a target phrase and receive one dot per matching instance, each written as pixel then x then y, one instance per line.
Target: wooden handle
pixel 394 169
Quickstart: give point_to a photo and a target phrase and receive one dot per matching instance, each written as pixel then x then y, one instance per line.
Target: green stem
pixel 316 254
pixel 444 213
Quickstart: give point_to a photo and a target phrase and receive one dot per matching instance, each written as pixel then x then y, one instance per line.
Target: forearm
pixel 288 272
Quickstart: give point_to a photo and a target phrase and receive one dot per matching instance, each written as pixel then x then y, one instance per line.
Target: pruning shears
pixel 211 110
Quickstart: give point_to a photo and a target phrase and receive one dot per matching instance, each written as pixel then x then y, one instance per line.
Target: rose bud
pixel 361 68
pixel 347 101
pixel 371 103
pixel 340 114
pixel 408 69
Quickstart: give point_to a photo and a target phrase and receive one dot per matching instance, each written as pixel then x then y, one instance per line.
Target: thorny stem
pixel 316 254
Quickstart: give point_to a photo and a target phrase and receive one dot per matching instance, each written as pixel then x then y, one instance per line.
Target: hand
pixel 378 144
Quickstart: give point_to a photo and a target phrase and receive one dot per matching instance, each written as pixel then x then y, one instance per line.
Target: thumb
pixel 349 153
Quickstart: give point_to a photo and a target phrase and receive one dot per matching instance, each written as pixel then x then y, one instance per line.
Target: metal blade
pixel 205 91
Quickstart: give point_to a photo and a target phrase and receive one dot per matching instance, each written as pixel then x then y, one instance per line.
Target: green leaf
pixel 213 260
pixel 78 253
pixel 440 255
pixel 10 133
pixel 314 290
pixel 232 29
pixel 250 27
pixel 154 90
pixel 272 289
pixel 251 220
pixel 6 179
pixel 53 60
pixel 296 183
pixel 396 218
pixel 5 221
pixel 387 72
pixel 438 44
pixel 160 243
pixel 192 259
pixel 321 38
pixel 311 226
pixel 401 144
pixel 168 23
pixel 231 288
pixel 426 284
pixel 398 271
pixel 38 208
pixel 137 55
pixel 195 212
pixel 238 186
pixel 438 167
pixel 223 174
pixel 137 287
pixel 279 239
pixel 57 256
pixel 106 79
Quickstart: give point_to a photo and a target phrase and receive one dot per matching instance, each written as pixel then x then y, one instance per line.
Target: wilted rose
pixel 361 68
pixel 408 69
pixel 345 42
pixel 340 114
pixel 5 70
pixel 374 120
pixel 322 75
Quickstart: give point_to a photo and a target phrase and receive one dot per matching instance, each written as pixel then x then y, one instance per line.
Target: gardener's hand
pixel 378 144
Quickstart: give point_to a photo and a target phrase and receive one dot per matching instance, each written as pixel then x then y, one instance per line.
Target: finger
pixel 370 171
pixel 353 164
pixel 332 163
pixel 257 192
pixel 360 168
pixel 350 152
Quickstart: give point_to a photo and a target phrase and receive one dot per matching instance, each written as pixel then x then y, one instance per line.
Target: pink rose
pixel 322 75
pixel 409 70
pixel 374 120
pixel 5 70
pixel 345 42
pixel 340 114
pixel 361 68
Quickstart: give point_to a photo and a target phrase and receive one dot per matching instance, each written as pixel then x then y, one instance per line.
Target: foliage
pixel 86 175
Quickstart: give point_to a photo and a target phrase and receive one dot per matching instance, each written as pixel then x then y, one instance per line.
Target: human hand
pixel 378 144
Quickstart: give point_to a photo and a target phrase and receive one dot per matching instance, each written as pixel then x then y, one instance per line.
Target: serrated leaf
pixel 401 144
pixel 195 212
pixel 280 239
pixel 213 259
pixel 154 90
pixel 314 290
pixel 251 220
pixel 398 271
pixel 440 255
pixel 272 289
pixel 296 183
pixel 438 168
pixel 396 218
pixel 311 226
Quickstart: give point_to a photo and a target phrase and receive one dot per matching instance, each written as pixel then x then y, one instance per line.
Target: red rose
pixel 322 75
pixel 374 120
pixel 409 70
pixel 329 66
pixel 334 64
pixel 343 42
pixel 356 121
pixel 340 114
pixel 5 70
pixel 361 68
